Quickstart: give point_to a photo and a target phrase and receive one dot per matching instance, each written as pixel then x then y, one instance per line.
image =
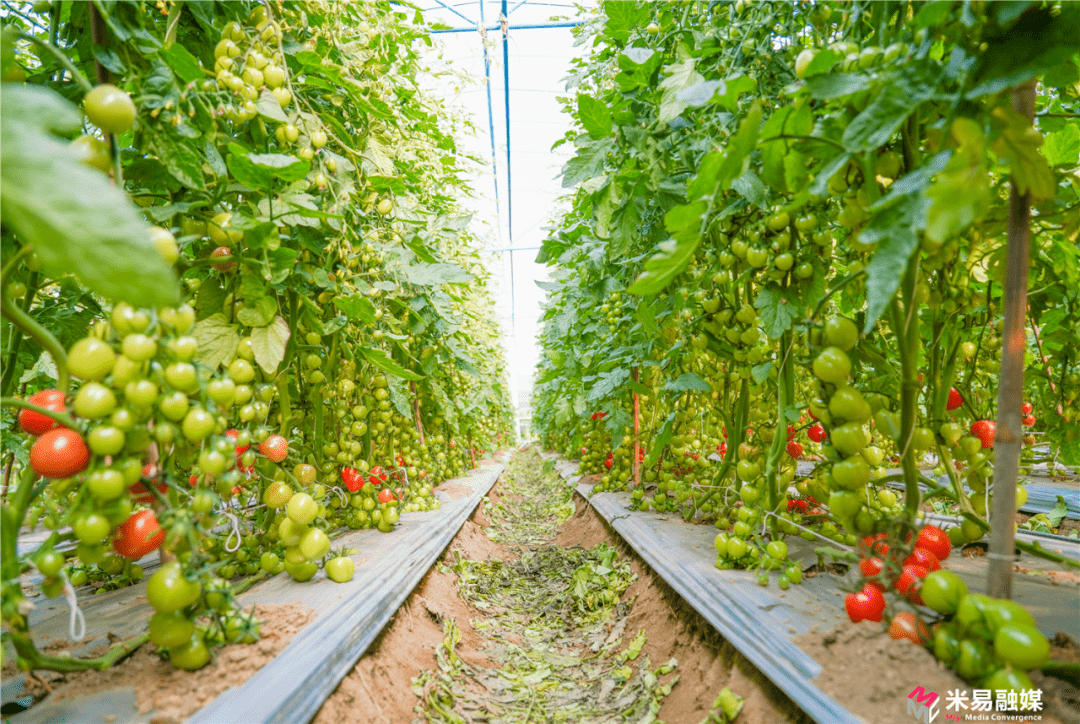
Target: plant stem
pixel 42 336
pixel 76 74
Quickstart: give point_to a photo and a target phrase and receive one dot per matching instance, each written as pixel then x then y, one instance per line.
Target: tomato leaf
pixel 588 162
pixel 78 222
pixel 182 62
pixel 1063 147
pixel 880 120
pixel 777 309
pixel 895 231
pixel 663 437
pixel 688 381
pixel 357 308
pixel 379 359
pixel 269 108
pixel 430 275
pixel 400 397
pixel 672 255
pixel 961 193
pixel 680 77
pixel 595 116
pixel 1019 142
pixel 268 343
pixel 218 339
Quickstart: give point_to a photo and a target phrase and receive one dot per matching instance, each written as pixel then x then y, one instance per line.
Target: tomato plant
pixel 230 277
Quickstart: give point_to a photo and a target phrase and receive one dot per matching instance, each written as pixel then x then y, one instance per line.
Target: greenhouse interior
pixel 515 361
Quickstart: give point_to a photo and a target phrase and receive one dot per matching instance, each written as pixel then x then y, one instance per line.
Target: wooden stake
pixel 637 431
pixel 1008 442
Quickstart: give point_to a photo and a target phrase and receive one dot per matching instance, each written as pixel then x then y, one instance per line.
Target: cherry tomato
pixel 59 453
pixel 109 108
pixel 935 540
pixel 169 590
pixel 302 509
pixel 91 359
pixel 170 630
pixel 191 655
pixel 832 365
pixel 924 558
pixel 34 423
pixel 1022 646
pixel 91 528
pixel 866 605
pixel 138 535
pixel 340 569
pixel 314 544
pixel 942 591
pixel 906 625
pixel 909 582
pixel 275 448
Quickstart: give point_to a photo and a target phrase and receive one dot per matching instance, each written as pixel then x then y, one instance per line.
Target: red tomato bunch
pixel 931 547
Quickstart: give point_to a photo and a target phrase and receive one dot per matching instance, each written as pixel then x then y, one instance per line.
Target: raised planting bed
pixel 777 630
pixel 344 620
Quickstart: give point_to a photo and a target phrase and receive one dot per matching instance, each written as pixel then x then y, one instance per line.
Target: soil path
pixel 537 612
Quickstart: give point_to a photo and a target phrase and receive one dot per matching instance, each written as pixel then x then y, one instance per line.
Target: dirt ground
pixel 380 683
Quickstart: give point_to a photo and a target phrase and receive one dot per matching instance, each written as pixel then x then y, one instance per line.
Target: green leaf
pixel 281 166
pixel 429 275
pixel 961 193
pixel 357 308
pixel 688 381
pixel 183 63
pixel 595 116
pixel 1059 512
pixel 836 85
pixel 78 222
pixel 749 186
pixel 672 255
pixel 268 343
pixel 624 17
pixel 1019 143
pixel 895 231
pixel 269 107
pixel 680 77
pixel 885 114
pixel 377 160
pixel 399 397
pixel 1063 147
pixel 180 159
pixel 379 359
pixel 588 162
pixel 933 13
pixel 217 340
pixel 663 437
pixel 258 314
pixel 823 62
pixel 1044 39
pixel 607 382
pixel 760 372
pixel 777 310
pixel 729 703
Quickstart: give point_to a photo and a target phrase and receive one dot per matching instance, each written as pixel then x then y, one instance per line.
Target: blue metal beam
pixel 491 122
pixel 455 12
pixel 540 26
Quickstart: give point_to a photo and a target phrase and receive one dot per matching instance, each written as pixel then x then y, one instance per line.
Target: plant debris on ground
pixel 554 626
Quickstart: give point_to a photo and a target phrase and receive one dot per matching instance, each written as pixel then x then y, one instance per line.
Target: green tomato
pixel 1022 646
pixel 170 630
pixel 841 332
pixel 943 590
pixel 94 401
pixel 777 549
pixel 302 509
pixel 106 440
pixel 340 569
pixel 832 366
pixel 191 655
pixel 91 528
pixel 851 474
pixel 169 590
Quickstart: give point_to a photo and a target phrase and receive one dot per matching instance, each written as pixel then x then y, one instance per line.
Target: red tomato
pixel 910 581
pixel 59 453
pixel 608 463
pixel 34 423
pixel 385 496
pixel 906 625
pixel 794 449
pixel 935 540
pixel 873 545
pixel 1028 421
pixel 986 431
pixel 1026 408
pixel 352 479
pixel 274 448
pixel 866 605
pixel 872 567
pixel 923 557
pixel 816 433
pixel 142 493
pixel 138 535
pixel 955 400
